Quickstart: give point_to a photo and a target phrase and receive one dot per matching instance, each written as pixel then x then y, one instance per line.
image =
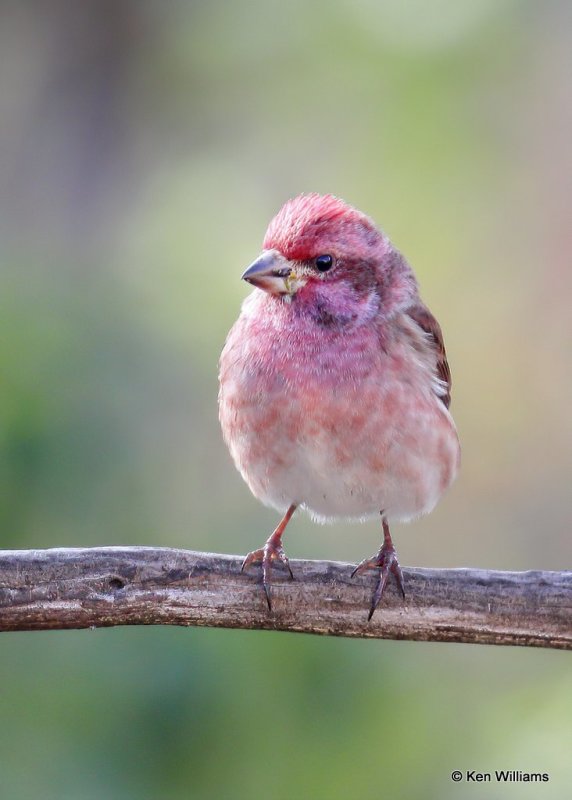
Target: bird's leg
pixel 272 551
pixel 386 562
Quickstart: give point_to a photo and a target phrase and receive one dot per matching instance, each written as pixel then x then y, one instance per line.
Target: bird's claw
pixel 386 562
pixel 267 556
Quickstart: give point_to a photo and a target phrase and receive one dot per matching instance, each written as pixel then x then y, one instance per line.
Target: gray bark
pixel 97 587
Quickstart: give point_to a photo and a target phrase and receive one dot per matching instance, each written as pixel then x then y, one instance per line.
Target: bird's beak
pixel 273 273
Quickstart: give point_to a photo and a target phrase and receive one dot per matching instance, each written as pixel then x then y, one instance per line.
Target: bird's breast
pixel 335 420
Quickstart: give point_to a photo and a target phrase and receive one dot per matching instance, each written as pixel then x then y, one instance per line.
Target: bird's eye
pixel 324 263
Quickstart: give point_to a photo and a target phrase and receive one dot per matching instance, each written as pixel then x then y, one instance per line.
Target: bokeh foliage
pixel 143 148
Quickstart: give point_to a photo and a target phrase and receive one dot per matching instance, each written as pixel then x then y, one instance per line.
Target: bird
pixel 334 385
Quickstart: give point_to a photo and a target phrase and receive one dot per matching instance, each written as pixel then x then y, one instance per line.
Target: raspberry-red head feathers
pixel 311 224
pixel 366 269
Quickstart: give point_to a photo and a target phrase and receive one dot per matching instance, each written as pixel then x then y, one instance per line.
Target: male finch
pixel 334 383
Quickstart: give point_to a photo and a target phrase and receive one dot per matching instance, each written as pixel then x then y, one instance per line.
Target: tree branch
pixel 96 587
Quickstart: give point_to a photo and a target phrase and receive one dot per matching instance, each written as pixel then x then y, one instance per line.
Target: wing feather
pixel 421 315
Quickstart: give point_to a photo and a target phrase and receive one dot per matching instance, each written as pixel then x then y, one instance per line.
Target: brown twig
pixel 96 587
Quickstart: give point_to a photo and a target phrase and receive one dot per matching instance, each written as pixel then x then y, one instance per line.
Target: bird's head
pixel 331 262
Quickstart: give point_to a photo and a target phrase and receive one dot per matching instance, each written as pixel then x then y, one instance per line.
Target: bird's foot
pixel 386 562
pixel 271 553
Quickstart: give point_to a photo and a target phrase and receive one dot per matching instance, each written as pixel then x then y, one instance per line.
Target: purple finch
pixel 334 383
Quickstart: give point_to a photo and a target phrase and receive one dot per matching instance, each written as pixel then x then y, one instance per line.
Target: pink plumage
pixel 334 384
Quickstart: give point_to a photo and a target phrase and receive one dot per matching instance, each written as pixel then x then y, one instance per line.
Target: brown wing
pixel 427 322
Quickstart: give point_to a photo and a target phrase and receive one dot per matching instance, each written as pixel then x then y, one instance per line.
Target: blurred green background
pixel 144 146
